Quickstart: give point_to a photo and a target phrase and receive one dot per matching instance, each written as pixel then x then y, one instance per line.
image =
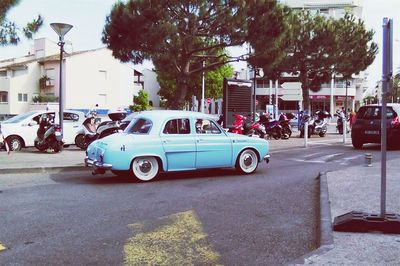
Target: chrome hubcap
pixel 145 166
pixel 247 160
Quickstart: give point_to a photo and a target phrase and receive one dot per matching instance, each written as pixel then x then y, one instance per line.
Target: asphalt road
pixel 191 218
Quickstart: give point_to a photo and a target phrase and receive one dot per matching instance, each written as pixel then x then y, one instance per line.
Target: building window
pixel 3 73
pixel 103 74
pixel 324 11
pixel 3 97
pixel 50 73
pixel 20 72
pixel 22 97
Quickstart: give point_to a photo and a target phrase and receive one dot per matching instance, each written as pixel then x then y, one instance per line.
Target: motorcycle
pixel 317 124
pixel 272 127
pixel 90 131
pixel 241 126
pixel 48 135
pixel 284 121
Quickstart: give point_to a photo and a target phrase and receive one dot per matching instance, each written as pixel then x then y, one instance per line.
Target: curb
pixel 49 169
pixel 325 241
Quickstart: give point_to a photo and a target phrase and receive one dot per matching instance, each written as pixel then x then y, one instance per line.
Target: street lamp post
pixel 61 29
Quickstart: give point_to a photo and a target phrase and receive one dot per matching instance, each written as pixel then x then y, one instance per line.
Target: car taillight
pixel 395 121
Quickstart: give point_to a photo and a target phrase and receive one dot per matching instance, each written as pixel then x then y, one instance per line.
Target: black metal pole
pixel 254 92
pixel 61 107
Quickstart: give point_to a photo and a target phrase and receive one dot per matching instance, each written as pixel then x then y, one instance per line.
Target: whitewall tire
pixel 247 162
pixel 145 168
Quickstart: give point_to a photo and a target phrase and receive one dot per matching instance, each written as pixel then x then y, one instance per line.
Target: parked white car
pixel 20 131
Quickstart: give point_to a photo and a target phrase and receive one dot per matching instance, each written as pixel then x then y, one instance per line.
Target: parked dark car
pixel 367 127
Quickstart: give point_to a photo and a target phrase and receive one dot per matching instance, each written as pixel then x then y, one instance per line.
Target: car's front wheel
pixel 247 162
pixel 145 168
pixel 15 143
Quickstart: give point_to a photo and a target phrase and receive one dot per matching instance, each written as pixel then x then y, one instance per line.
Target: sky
pixel 88 19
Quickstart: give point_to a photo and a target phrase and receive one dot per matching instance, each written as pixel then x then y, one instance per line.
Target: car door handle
pixel 166 141
pixel 76 126
pixel 200 140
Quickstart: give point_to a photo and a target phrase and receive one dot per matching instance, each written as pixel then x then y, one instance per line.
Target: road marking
pixel 312 154
pixel 177 239
pixel 2 247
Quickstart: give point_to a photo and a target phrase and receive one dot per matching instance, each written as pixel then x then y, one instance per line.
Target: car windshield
pixel 139 126
pixel 18 118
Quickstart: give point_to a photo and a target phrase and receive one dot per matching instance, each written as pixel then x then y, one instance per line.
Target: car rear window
pixel 374 112
pixel 139 126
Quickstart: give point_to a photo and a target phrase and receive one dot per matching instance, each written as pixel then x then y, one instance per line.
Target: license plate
pixel 372 132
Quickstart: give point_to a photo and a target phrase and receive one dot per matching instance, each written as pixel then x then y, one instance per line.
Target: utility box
pixel 237 100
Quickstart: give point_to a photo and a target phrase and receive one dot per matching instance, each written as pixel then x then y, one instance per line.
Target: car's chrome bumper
pixel 266 158
pixel 99 167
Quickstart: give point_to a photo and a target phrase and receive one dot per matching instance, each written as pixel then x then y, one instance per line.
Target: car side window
pixel 177 126
pixel 70 117
pixel 205 126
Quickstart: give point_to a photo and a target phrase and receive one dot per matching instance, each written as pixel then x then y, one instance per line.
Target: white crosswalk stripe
pixel 320 157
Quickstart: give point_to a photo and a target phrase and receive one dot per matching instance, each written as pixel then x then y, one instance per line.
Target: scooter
pixel 90 131
pixel 240 126
pixel 238 123
pixel 272 127
pixel 284 122
pixel 48 136
pixel 317 124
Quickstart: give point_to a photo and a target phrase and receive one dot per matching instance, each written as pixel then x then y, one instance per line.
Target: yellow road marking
pixel 2 247
pixel 177 239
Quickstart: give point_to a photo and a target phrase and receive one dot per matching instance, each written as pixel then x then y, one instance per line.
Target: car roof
pixel 158 117
pixel 165 114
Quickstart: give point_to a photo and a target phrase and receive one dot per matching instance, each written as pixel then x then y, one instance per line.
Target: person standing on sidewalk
pixel 352 118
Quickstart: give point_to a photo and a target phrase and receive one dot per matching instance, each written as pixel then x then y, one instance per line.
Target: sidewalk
pixel 31 160
pixel 355 188
pixel 358 188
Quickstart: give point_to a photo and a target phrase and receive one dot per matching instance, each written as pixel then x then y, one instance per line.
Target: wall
pixel 151 86
pixel 26 83
pixel 95 77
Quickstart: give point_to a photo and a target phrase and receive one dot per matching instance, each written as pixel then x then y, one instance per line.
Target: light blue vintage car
pixel 168 140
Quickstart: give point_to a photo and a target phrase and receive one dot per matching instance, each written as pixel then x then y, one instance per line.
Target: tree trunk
pixel 182 86
pixel 181 92
pixel 304 87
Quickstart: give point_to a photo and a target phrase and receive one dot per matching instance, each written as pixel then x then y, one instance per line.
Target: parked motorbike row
pixel 317 124
pixel 91 130
pixel 264 127
pixel 49 133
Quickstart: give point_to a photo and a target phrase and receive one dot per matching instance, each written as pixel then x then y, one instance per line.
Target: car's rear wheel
pixel 15 143
pixel 247 161
pixel 145 168
pixel 357 143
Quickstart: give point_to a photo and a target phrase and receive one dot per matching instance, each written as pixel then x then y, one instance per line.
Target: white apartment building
pixel 333 94
pixel 90 78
